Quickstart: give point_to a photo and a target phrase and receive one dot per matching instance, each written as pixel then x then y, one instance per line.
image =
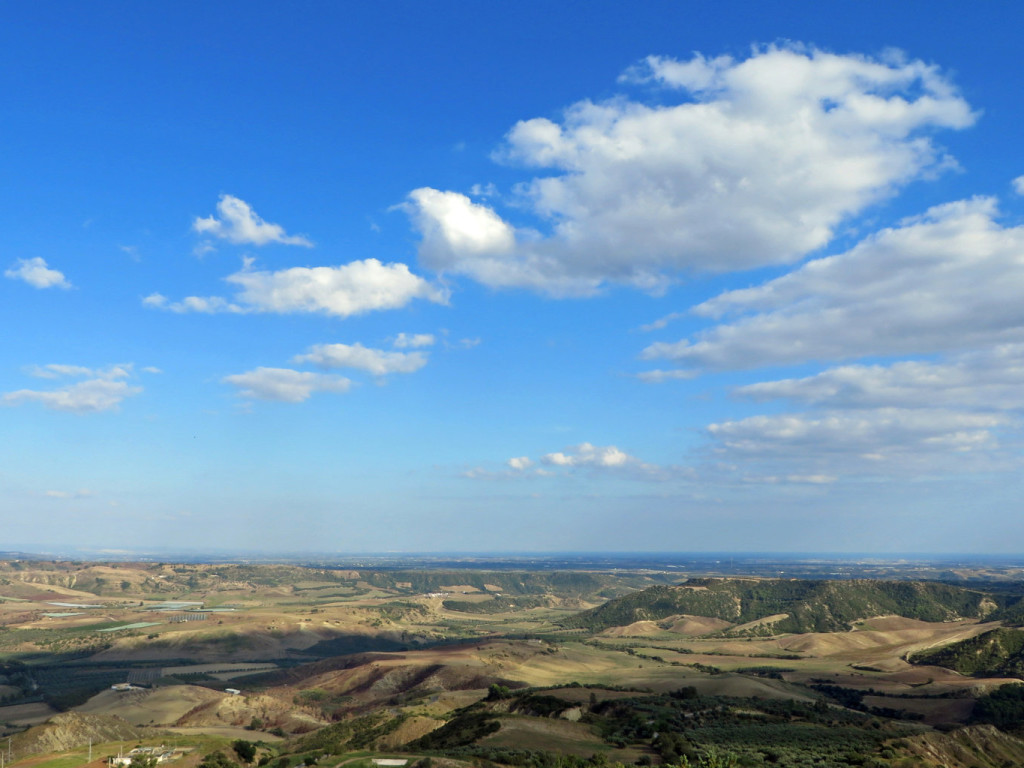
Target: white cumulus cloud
pixel 468 238
pixel 520 463
pixel 757 162
pixel 604 459
pixel 284 384
pixel 376 361
pixel 36 273
pixel 349 289
pixel 342 291
pixel 238 223
pixel 587 455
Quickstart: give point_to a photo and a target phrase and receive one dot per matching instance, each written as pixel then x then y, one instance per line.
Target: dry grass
pixel 636 629
pixel 160 706
pixel 226 731
pixel 581 695
pixel 935 711
pixel 697 625
pixel 411 729
pixel 743 686
pixel 546 734
pixel 892 642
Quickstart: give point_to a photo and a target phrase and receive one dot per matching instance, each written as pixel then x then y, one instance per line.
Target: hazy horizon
pixel 542 558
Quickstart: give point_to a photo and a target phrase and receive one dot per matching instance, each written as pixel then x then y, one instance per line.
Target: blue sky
pixel 483 277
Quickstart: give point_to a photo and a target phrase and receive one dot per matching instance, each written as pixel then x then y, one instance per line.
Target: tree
pixel 216 760
pixel 245 750
pixel 711 758
pixel 496 692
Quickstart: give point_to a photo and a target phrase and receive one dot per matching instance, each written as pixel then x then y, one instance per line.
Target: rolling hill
pixel 998 653
pixel 808 605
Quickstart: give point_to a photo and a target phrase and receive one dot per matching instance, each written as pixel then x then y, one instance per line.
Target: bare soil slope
pixel 977 746
pixel 73 729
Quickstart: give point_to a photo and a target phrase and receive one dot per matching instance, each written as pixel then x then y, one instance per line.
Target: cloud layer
pixel 949 280
pixel 990 379
pixel 893 442
pixel 941 289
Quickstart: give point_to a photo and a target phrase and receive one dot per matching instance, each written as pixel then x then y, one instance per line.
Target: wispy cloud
pixel 100 389
pixel 658 375
pixel 376 361
pixel 205 305
pixel 661 322
pixel 414 340
pixel 988 379
pixel 82 493
pixel 285 385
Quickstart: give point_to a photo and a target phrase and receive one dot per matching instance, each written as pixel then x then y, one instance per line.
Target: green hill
pixel 999 653
pixel 810 605
pixel 566 584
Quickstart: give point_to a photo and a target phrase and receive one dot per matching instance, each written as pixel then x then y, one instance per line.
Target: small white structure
pixel 232 691
pixel 388 761
pixel 161 753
